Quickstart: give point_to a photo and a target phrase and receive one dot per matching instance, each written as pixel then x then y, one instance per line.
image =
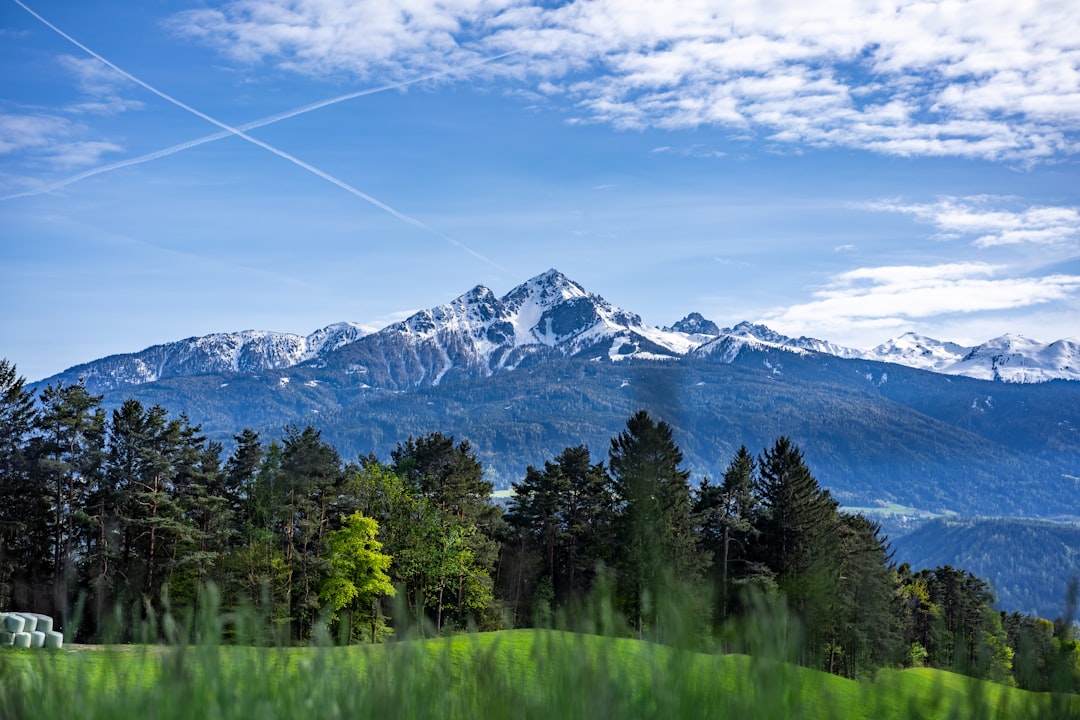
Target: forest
pixel 110 519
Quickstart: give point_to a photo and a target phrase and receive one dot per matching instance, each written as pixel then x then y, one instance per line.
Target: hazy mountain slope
pixel 869 441
pixel 1028 563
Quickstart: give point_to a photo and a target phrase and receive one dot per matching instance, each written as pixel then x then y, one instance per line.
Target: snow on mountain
pixel 1013 358
pixel 695 324
pixel 918 351
pixel 548 316
pixel 478 334
pixel 244 351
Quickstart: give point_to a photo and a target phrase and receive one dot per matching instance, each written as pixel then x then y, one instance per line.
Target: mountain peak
pixel 695 324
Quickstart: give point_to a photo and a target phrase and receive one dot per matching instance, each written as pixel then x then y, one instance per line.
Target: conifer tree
pixel 797 537
pixel 655 531
pixel 562 518
pixel 69 453
pixel 17 419
pixel 726 514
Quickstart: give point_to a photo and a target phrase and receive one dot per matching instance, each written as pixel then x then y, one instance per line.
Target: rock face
pixel 547 317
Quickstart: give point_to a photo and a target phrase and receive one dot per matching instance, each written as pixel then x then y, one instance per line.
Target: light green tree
pixel 357 576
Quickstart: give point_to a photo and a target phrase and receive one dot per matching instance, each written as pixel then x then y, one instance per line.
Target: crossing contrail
pixel 230 130
pixel 158 154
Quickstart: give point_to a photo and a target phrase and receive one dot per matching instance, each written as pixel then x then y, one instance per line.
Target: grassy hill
pixel 514 674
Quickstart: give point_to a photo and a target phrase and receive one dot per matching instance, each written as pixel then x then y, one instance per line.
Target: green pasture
pixel 510 674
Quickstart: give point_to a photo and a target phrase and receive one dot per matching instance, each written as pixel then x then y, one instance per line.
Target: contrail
pixel 119 165
pixel 266 146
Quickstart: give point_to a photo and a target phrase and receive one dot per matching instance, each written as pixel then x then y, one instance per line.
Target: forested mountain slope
pixel 1029 563
pixel 872 432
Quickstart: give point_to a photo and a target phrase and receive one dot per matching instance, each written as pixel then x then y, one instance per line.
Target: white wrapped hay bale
pixel 14 623
pixel 44 622
pixel 29 630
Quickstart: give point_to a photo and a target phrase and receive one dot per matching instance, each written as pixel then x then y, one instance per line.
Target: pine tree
pixel 69 457
pixel 562 518
pixel 726 513
pixel 311 470
pixel 797 537
pixel 17 419
pixel 461 523
pixel 656 535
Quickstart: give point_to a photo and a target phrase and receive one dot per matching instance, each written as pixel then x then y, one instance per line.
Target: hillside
pixel 1028 563
pixel 873 433
pixel 510 674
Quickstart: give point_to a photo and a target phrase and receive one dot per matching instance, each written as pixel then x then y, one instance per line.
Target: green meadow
pixel 507 674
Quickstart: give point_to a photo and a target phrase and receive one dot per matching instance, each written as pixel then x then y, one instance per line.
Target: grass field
pixel 509 674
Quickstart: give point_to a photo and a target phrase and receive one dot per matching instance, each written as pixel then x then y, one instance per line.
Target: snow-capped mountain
pixel 1013 358
pixel 919 351
pixel 245 351
pixel 549 316
pixel 479 334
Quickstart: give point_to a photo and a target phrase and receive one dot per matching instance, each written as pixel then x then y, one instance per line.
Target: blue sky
pixel 845 170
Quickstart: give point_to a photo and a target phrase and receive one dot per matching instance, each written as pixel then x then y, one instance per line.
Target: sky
pixel 843 170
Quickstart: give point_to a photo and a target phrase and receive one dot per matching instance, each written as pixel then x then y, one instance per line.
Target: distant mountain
pixel 1028 562
pixel 1009 358
pixel 246 351
pixel 546 318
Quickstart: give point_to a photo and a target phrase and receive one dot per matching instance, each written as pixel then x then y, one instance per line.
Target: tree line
pixel 134 512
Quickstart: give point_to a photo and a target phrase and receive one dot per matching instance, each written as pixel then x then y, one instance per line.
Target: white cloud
pixel 100 84
pixel 50 138
pixel 19 133
pixel 992 79
pixel 983 219
pixel 890 297
pixel 329 36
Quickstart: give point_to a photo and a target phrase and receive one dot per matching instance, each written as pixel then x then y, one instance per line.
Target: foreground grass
pixel 510 674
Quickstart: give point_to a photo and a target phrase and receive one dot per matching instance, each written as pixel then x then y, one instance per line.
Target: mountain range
pixel 547 317
pixel 900 431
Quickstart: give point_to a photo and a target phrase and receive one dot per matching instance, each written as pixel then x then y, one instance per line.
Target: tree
pixel 17 419
pixel 311 471
pixel 654 528
pixel 453 511
pixel 861 629
pixel 798 537
pixel 562 519
pixel 356 577
pixel 726 513
pixel 69 455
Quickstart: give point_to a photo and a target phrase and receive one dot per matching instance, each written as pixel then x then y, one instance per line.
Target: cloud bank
pixel 990 79
pixel 891 297
pixel 991 225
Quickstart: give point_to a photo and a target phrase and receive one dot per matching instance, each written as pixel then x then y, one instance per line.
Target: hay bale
pixel 44 622
pixel 31 621
pixel 54 640
pixel 14 623
pixel 7 639
pixel 22 639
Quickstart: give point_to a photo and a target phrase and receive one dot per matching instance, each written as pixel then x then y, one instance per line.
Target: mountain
pixel 550 365
pixel 919 351
pixel 478 335
pixel 548 317
pixel 246 351
pixel 1029 563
